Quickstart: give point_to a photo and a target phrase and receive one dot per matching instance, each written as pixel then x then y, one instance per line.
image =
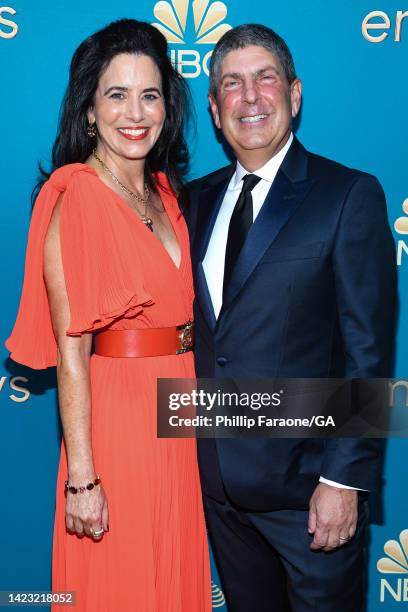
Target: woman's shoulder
pixel 63 176
pixel 73 188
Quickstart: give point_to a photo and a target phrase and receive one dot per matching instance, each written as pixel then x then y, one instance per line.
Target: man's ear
pixel 214 111
pixel 296 96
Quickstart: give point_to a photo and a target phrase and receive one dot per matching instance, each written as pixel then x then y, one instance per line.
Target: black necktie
pixel 241 221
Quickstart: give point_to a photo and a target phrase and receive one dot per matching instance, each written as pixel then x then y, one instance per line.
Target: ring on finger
pixel 96 534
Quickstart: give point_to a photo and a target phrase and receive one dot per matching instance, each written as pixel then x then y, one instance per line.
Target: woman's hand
pixel 86 511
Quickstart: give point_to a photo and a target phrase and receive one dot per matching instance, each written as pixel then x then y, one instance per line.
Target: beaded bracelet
pixel 82 489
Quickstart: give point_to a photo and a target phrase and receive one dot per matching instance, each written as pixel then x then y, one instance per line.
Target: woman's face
pixel 129 108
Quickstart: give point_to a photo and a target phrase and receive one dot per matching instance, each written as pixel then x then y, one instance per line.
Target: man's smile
pixel 253 118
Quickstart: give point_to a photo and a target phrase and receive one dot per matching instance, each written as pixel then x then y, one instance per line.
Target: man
pixel 295 277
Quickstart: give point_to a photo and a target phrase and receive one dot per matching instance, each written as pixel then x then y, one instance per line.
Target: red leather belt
pixel 153 342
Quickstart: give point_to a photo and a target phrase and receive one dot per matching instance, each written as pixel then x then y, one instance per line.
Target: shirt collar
pixel 269 170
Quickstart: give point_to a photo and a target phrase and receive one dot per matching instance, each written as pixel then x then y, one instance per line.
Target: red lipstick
pixel 134 128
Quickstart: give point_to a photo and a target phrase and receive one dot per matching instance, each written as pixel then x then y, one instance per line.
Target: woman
pixel 108 262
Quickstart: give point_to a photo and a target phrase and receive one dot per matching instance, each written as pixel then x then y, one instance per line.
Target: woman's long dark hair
pixel 92 57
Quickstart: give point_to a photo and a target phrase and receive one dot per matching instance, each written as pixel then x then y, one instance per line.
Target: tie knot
pixel 250 180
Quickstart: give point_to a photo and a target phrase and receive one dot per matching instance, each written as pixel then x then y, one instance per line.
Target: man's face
pixel 255 104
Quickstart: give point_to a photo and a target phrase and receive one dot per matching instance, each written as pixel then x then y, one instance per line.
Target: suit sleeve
pixel 187 201
pixel 365 275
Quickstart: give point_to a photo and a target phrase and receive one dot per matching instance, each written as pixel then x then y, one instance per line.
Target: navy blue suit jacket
pixel 313 294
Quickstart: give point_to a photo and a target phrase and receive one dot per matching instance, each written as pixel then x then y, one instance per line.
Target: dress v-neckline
pixel 139 220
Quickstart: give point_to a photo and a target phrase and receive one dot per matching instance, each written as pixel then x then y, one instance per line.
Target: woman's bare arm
pixel 90 508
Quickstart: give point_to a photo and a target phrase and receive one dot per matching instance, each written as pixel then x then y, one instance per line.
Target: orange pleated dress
pixel 118 275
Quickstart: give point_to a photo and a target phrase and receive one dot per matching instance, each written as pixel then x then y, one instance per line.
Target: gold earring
pixel 91 130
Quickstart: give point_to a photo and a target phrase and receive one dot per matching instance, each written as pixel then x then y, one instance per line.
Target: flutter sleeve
pixel 101 285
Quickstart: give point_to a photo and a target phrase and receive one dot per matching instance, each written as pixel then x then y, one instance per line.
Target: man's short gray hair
pixel 244 36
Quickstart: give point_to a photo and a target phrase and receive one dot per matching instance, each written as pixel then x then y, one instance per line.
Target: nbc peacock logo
pixel 218 599
pixel 401 227
pixel 395 563
pixel 198 23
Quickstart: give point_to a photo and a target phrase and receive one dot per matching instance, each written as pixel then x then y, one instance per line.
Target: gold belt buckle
pixel 186 337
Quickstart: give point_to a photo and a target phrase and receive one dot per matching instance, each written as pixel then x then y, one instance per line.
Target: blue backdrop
pixel 352 58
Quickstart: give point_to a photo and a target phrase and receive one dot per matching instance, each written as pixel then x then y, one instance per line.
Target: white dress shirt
pixel 214 259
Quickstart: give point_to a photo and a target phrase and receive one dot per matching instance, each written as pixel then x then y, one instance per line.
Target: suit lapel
pixel 210 200
pixel 204 298
pixel 287 192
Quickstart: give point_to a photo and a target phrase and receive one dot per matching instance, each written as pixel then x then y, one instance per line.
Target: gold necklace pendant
pixel 148 223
